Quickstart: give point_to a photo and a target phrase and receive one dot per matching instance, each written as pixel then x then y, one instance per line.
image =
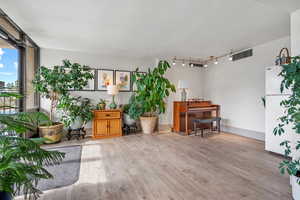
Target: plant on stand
pixel 152 90
pixel 55 83
pixel 76 111
pixel 23 161
pixel 291 80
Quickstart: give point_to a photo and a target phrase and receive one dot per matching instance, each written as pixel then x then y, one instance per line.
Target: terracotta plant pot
pixel 53 132
pixel 148 124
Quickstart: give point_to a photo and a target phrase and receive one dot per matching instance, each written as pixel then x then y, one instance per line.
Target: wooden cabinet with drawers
pixel 107 124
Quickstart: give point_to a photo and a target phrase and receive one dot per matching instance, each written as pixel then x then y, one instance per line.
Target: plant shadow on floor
pixel 91 191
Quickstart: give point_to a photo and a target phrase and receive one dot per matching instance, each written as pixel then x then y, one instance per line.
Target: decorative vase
pixel 113 105
pixel 53 133
pixel 148 124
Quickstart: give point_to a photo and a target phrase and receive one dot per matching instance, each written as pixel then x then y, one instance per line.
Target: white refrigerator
pixel 274 111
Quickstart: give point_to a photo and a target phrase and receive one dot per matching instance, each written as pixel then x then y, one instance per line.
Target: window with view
pixel 19 60
pixel 9 79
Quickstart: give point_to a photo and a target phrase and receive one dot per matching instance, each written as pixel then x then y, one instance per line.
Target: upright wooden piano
pixel 185 111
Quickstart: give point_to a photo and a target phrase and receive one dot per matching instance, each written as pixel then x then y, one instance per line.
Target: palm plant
pixel 23 161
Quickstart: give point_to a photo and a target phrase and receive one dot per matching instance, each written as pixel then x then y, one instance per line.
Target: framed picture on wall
pixel 91 82
pixel 134 88
pixel 105 77
pixel 123 79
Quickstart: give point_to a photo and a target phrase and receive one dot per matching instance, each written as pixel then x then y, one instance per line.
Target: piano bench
pixel 207 121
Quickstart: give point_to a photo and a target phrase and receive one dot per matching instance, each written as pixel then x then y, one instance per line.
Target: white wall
pixel 238 86
pixel 295 33
pixel 194 79
pixel 50 57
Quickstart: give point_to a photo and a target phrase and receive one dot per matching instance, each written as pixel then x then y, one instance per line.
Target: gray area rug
pixel 67 172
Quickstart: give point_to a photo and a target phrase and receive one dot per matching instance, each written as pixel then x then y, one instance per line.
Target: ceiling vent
pixel 242 55
pixel 195 65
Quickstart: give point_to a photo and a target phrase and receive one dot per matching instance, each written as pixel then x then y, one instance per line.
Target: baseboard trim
pixel 244 132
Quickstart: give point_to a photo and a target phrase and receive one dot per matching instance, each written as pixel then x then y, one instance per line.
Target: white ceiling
pixel 152 28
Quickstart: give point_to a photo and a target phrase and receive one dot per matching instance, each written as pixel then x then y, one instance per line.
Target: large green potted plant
pixel 291 81
pixel 75 111
pixel 53 84
pixel 23 161
pixel 152 90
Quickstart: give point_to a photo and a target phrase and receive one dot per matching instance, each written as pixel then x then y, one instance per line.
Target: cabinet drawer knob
pixel 107 115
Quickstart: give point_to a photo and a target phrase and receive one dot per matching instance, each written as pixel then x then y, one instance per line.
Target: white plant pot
pixel 128 120
pixel 76 124
pixel 293 179
pixel 148 124
pixel 295 187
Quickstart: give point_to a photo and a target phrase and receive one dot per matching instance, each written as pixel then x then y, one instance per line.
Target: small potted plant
pixel 149 100
pixel 127 119
pixel 101 105
pixel 56 83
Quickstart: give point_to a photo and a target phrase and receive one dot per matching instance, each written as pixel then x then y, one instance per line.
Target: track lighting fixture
pixel 199 62
pixel 230 56
pixel 216 62
pixel 174 61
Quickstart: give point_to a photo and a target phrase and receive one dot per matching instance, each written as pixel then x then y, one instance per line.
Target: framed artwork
pixel 134 88
pixel 91 82
pixel 123 79
pixel 105 78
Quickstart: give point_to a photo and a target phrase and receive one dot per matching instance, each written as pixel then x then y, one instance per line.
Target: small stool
pixel 207 121
pixel 79 133
pixel 128 129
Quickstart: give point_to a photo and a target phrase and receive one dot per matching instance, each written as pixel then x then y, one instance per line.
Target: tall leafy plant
pixel 58 81
pixel 23 161
pixel 291 81
pixel 152 89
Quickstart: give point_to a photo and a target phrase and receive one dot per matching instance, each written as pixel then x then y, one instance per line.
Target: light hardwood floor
pixel 171 167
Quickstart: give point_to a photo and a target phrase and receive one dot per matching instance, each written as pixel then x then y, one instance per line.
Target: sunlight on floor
pixel 94 164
